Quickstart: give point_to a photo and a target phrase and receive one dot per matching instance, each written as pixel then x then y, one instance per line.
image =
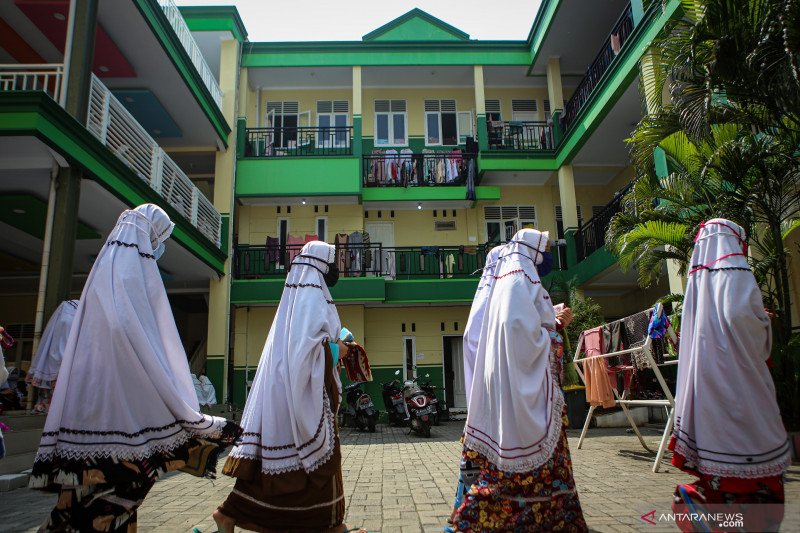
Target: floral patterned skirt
pixel 542 500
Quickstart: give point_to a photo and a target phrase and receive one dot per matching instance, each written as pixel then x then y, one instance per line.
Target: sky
pixel 349 20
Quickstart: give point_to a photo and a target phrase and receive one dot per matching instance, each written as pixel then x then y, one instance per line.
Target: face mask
pixel 546 265
pixel 159 251
pixel 332 276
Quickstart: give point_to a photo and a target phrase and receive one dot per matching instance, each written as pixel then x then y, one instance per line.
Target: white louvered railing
pixel 185 36
pixel 42 77
pixel 110 122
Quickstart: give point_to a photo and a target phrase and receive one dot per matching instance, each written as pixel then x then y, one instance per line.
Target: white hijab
pixel 51 347
pixel 124 389
pixel 514 415
pixel 475 320
pixel 727 420
pixel 288 421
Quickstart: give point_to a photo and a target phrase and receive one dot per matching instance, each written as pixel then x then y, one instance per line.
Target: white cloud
pixel 349 20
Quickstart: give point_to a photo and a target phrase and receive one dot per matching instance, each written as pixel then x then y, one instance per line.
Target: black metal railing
pixel 371 260
pixel 406 169
pixel 516 135
pixel 614 43
pixel 299 141
pixel 591 235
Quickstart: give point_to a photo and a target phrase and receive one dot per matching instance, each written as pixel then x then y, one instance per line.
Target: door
pixel 459 387
pixel 381 233
pixel 409 358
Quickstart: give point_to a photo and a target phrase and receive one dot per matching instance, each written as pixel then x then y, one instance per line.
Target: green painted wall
pixel 298 176
pixel 215 370
pixel 417 30
pixel 431 290
pixel 429 194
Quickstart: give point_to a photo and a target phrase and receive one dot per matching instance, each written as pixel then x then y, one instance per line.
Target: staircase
pixel 21 443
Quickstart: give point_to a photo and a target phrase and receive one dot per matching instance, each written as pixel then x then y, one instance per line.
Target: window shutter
pixel 509 211
pixel 493 106
pixel 398 106
pixel 382 106
pixel 275 106
pixel 523 105
pixel 492 212
pixel 448 105
pixel 291 108
pixel 432 105
pixel 341 106
pixel 324 106
pixel 547 106
pixel 558 213
pixel 527 212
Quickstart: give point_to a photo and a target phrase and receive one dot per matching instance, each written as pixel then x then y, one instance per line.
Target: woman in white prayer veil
pixel 728 429
pixel 515 434
pixel 125 411
pixel 288 467
pixel 47 361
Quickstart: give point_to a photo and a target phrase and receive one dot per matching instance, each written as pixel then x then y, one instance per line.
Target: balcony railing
pixel 370 260
pixel 115 127
pixel 406 169
pixel 299 141
pixel 178 24
pixel 515 135
pixel 591 235
pixel 615 41
pixel 42 77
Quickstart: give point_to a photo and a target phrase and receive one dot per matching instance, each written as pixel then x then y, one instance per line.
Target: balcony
pixel 192 49
pixel 42 77
pixel 519 136
pixel 300 141
pixel 613 45
pixel 591 235
pixel 406 169
pixel 115 127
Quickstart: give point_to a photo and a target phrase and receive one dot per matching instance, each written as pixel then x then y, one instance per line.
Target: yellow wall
pixel 384 340
pixel 255 223
pixel 542 197
pixel 591 195
pixel 415 105
pixel 415 228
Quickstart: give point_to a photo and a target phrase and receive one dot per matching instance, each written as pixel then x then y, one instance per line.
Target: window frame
pixel 390 124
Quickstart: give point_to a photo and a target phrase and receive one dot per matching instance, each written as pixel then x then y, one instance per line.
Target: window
pixel 332 119
pixel 391 123
pixel 524 110
pixel 560 221
pixel 322 229
pixel 283 117
pixel 465 126
pixel 502 222
pixel 283 235
pixel 493 110
pixel 547 113
pixel 441 123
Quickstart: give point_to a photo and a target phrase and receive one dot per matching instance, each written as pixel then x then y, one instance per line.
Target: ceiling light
pixel 157 132
pixel 129 99
pixel 419 205
pixel 59 16
pixel 18 211
pixel 103 68
pixel 304 201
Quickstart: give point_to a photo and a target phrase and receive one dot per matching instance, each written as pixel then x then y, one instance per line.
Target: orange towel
pixel 599 382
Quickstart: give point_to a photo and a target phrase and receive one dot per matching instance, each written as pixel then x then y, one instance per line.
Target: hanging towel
pixel 598 382
pixel 273 251
pixel 295 244
pixel 309 238
pixel 356 365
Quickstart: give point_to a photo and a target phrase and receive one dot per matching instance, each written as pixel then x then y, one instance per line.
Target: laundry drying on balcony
pixel 390 168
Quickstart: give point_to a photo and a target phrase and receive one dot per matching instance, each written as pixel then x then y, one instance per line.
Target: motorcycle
pixel 419 408
pixel 430 391
pixel 394 403
pixel 360 410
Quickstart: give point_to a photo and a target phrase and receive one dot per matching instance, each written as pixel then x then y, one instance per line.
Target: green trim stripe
pixel 215 18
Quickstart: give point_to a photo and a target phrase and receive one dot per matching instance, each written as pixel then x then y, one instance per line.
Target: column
pixel 569 210
pixel 79 53
pixel 555 94
pixel 480 109
pixel 358 146
pixel 219 291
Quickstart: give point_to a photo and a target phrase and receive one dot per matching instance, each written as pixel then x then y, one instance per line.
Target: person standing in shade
pixel 728 430
pixel 288 467
pixel 125 411
pixel 515 434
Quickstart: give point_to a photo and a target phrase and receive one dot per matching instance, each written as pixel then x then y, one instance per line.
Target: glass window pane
pixel 340 121
pixel 432 121
pixel 399 124
pixel 449 129
pixel 382 126
pixel 493 232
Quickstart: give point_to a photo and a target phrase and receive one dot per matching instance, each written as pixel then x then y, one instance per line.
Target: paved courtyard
pixel 397 482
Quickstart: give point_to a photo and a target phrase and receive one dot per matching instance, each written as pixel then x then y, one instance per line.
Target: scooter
pixel 430 391
pixel 360 410
pixel 419 408
pixel 394 403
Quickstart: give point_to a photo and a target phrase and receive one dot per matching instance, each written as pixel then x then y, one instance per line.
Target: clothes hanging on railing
pixel 309 237
pixel 356 252
pixel 406 162
pixel 471 180
pixel 273 251
pixel 340 242
pixel 388 266
pixel 294 246
pixel 616 43
pixel 367 250
pixel 599 384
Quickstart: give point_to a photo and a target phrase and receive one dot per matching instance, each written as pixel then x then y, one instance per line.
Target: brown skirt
pixel 296 501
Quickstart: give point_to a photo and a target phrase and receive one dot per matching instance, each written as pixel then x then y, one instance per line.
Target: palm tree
pixel 729 134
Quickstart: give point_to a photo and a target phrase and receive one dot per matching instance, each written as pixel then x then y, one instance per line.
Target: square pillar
pixel 358 146
pixel 480 109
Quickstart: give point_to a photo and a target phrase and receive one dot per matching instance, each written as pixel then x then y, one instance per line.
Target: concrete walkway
pixel 397 482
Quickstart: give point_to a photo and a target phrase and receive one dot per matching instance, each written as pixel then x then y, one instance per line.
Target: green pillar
pixel 483 135
pixel 572 249
pixel 558 131
pixel 358 143
pixel 78 69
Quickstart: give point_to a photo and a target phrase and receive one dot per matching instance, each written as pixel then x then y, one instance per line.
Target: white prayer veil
pixel 727 421
pixel 50 351
pixel 288 421
pixel 124 389
pixel 514 415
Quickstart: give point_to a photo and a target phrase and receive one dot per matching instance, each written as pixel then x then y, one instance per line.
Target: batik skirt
pixel 544 499
pixel 104 494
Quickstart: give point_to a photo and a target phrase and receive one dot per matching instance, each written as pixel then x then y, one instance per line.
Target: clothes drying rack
pixel 624 400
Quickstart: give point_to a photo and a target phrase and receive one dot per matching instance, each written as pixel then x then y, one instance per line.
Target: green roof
pixel 416 25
